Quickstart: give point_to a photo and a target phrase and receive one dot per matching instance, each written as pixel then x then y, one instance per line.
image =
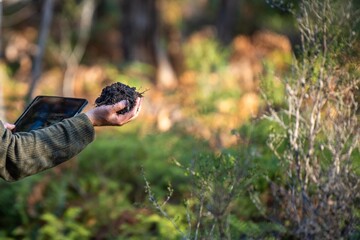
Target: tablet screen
pixel 44 111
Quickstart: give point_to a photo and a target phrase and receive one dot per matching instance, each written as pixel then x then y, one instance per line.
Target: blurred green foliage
pixel 273 88
pixel 107 182
pixel 205 55
pixel 67 227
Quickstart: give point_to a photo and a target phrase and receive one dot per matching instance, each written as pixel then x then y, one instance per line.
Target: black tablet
pixel 44 111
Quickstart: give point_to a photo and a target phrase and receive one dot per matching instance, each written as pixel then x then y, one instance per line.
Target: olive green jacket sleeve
pixel 27 153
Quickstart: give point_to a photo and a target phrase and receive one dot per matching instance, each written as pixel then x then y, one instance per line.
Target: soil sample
pixel 117 92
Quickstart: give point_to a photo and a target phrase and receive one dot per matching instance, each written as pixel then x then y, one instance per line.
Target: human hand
pixel 107 115
pixel 9 126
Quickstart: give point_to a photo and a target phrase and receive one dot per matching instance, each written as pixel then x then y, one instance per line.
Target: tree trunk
pixel 2 80
pixel 165 74
pixel 43 35
pixel 2 70
pixel 142 40
pixel 1 18
pixel 139 27
pixel 226 20
pixel 72 62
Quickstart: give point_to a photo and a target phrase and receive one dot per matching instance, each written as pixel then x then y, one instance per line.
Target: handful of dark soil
pixel 117 92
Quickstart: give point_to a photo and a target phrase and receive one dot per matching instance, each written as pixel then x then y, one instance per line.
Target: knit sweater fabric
pixel 27 153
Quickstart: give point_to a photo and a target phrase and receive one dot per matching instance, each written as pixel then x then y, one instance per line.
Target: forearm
pixel 24 154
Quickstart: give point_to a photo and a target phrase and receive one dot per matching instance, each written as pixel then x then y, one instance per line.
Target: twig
pixel 159 207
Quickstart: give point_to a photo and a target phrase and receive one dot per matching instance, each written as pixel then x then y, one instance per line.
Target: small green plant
pixel 216 182
pixel 66 227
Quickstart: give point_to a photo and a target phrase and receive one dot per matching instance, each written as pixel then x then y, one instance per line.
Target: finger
pixel 9 126
pixel 120 105
pixel 128 116
pixel 138 106
pixel 136 109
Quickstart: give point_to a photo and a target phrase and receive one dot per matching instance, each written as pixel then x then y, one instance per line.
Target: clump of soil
pixel 117 92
